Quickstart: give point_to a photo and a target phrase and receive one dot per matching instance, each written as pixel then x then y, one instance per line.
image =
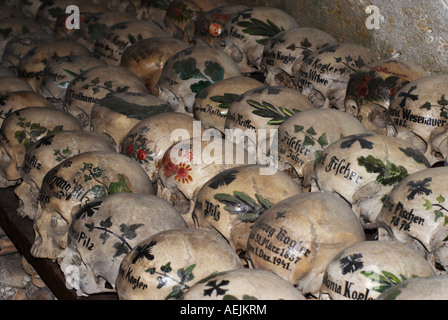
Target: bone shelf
pixel 20 231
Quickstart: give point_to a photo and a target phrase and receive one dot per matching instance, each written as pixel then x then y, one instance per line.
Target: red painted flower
pixel 130 149
pixel 363 89
pixel 141 154
pixel 183 174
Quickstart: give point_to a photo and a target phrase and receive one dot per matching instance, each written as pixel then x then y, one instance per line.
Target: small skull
pixel 285 52
pixel 292 238
pixel 418 113
pixel 47 153
pixel 191 70
pixel 104 231
pixel 371 267
pixel 324 75
pixel 167 264
pixel 246 33
pixel 232 201
pixel 73 183
pixel 363 169
pixel 414 214
pixel 372 87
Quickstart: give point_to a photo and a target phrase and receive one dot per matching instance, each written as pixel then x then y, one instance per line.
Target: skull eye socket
pixel 316 98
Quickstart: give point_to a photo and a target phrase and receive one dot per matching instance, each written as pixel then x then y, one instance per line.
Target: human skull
pixel 414 213
pixel 180 17
pixel 232 201
pixel 116 114
pixel 109 46
pixel 94 84
pixel 75 182
pixel 365 269
pixel 104 231
pixel 209 25
pixel 287 50
pixel 147 57
pixel 188 164
pixel 372 87
pixel 150 138
pixel 59 73
pixel 30 7
pixel 363 169
pixel 260 111
pixel 297 237
pixel 212 104
pixel 13 83
pixel 304 136
pixel 167 264
pixel 324 75
pixel 243 284
pixel 24 127
pixel 420 288
pixel 33 63
pixel 246 33
pixel 47 153
pixel 419 113
pixel 18 46
pixel 191 70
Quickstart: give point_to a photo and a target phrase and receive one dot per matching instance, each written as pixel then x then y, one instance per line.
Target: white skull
pixel 324 75
pixel 212 104
pixel 13 83
pixel 305 135
pixel 420 288
pixel 59 72
pixel 244 42
pixel 372 87
pixel 75 182
pixel 414 214
pixel 47 153
pixel 104 231
pixel 191 70
pixel 147 57
pixel 149 139
pixel 243 284
pixel 297 237
pixel 419 114
pixel 232 201
pixel 109 46
pixel 285 52
pixel 94 84
pixel 24 127
pixel 363 169
pixel 167 264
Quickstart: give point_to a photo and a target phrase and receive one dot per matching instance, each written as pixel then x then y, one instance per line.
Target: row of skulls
pixel 137 144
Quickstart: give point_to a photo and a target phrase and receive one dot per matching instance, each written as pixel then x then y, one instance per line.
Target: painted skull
pixel 246 33
pixel 191 70
pixel 59 73
pixel 324 75
pixel 285 52
pixel 147 57
pixel 420 288
pixel 232 201
pixel 365 269
pixel 304 136
pixel 419 114
pixel 73 183
pixel 167 264
pixel 94 84
pixel 111 44
pixel 150 138
pixel 212 104
pixel 13 83
pixel 243 284
pixel 24 127
pixel 292 238
pixel 363 169
pixel 104 231
pixel 414 214
pixel 47 153
pixel 372 87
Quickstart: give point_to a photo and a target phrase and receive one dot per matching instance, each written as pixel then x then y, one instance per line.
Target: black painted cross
pixel 407 95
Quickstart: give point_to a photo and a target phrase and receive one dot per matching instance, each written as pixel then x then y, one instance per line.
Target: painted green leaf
pixel 308 141
pixel 311 131
pixel 225 100
pixel 427 205
pixel 214 70
pixel 323 141
pixel 99 191
pixel 187 69
pixel 388 174
pixel 199 86
pixel 440 199
pixel 298 128
pixel 119 186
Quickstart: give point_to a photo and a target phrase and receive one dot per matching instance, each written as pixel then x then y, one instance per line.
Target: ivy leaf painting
pixel 119 186
pixel 129 230
pixel 199 86
pixel 416 155
pixel 388 174
pixel 214 70
pixel 187 69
